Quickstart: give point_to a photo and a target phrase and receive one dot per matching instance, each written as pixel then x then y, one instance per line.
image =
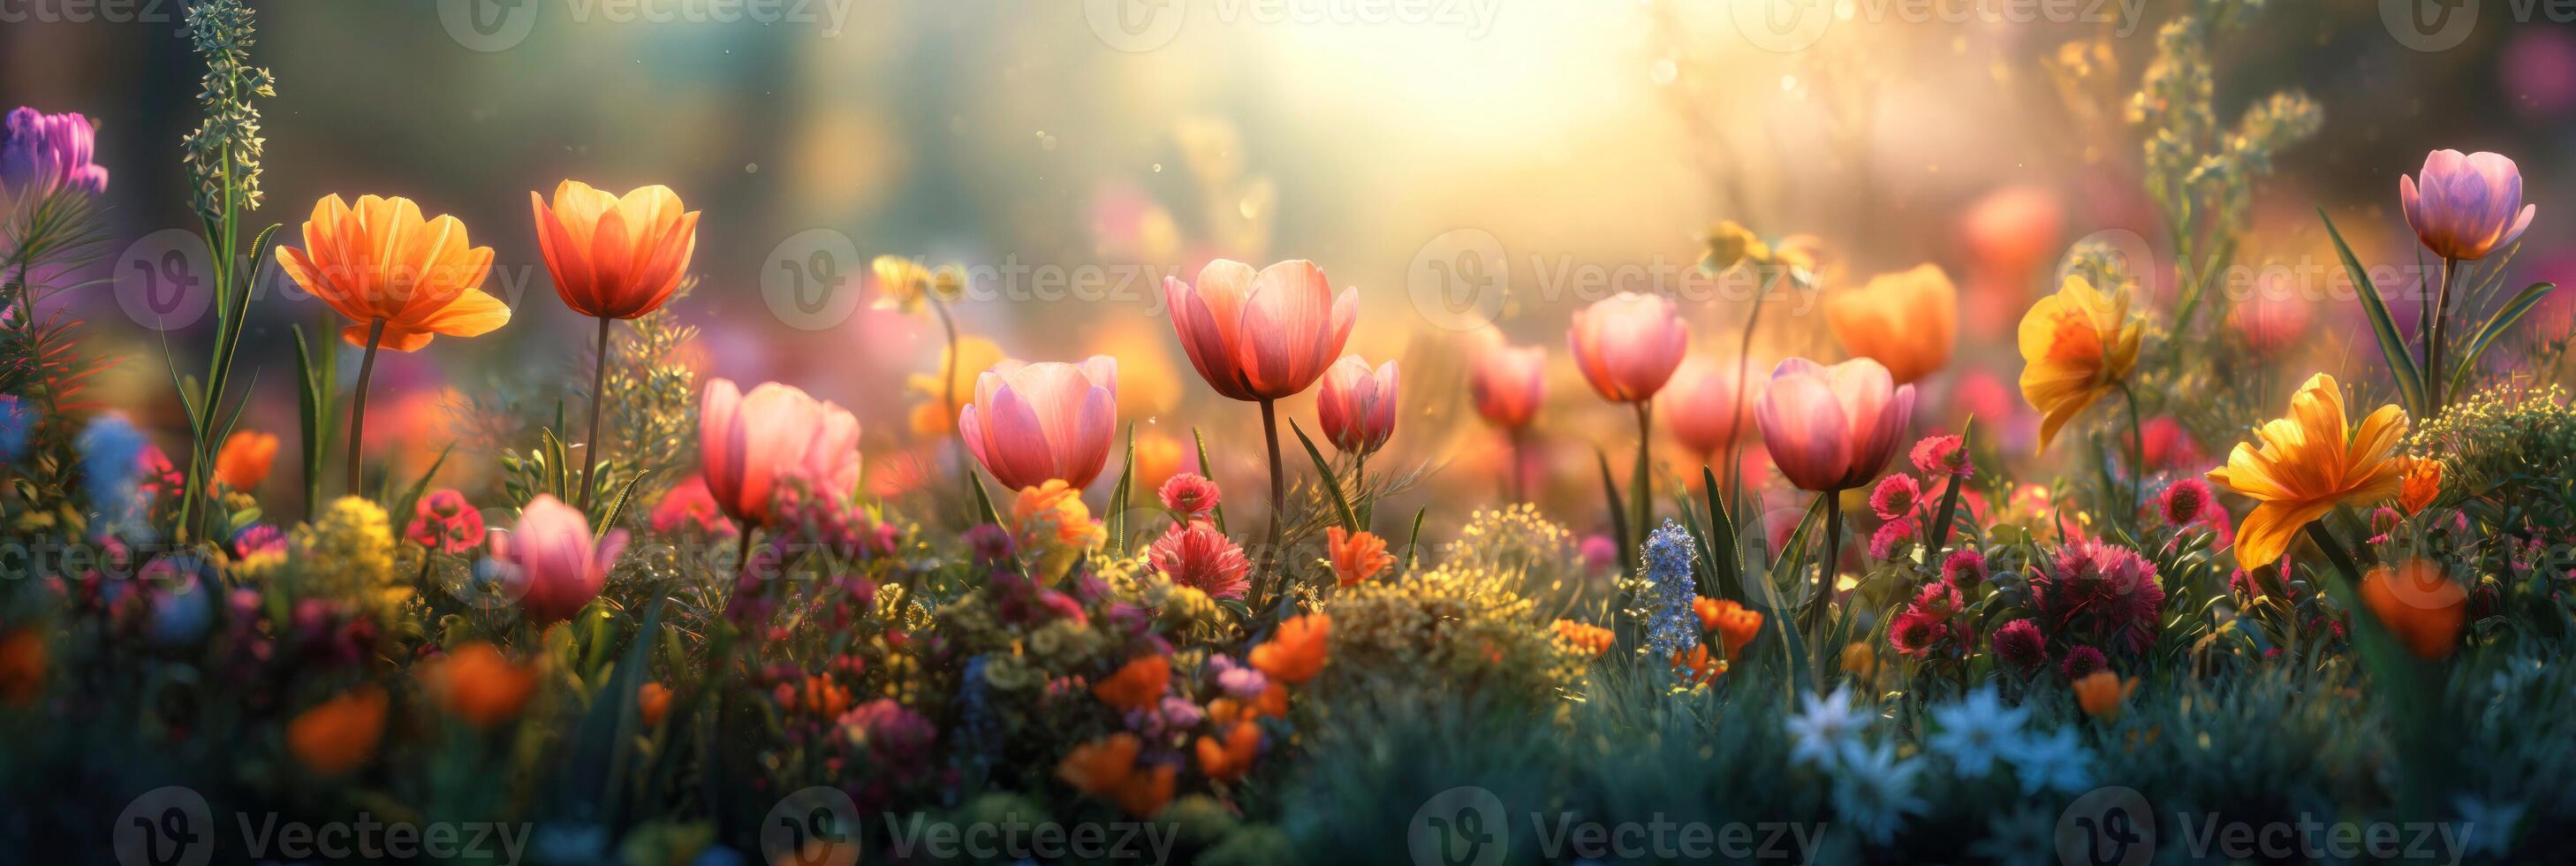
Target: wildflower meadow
pixel 1307 432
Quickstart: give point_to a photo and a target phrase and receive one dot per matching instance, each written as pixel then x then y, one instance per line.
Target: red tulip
pixel 560 567
pixel 1261 336
pixel 1833 428
pixel 748 444
pixel 1032 423
pixel 2465 207
pixel 1357 405
pixel 1628 344
pixel 1509 383
pixel 1702 406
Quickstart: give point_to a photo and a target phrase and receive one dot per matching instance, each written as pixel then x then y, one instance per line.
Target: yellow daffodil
pixel 2308 463
pixel 2076 346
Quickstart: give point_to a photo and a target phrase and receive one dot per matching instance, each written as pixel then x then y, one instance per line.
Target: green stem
pixel 948 380
pixel 1828 556
pixel 2433 378
pixel 1519 478
pixel 1744 355
pixel 1278 501
pixel 598 401
pixel 358 408
pixel 2137 455
pixel 1359 488
pixel 1640 503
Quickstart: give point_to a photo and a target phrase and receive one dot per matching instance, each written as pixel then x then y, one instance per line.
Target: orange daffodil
pixel 2076 346
pixel 401 277
pixel 2309 462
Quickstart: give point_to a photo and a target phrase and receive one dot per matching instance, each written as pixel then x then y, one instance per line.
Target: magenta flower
pixel 560 567
pixel 2465 207
pixel 1357 404
pixel 1196 555
pixel 1034 423
pixel 1833 428
pixel 2019 644
pixel 41 153
pixel 1190 495
pixel 1895 497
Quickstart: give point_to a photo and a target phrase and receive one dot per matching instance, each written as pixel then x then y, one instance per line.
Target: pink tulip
pixel 560 567
pixel 1357 405
pixel 749 444
pixel 1628 344
pixel 1509 383
pixel 1833 428
pixel 1701 405
pixel 1032 423
pixel 2464 207
pixel 1261 336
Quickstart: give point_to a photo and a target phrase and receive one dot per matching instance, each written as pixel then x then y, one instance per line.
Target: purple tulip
pixel 2465 207
pixel 41 153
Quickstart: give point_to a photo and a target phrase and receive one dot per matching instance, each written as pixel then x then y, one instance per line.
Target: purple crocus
pixel 2465 207
pixel 40 153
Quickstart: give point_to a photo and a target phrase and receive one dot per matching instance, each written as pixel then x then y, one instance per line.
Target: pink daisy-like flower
pixel 2185 501
pixel 1965 569
pixel 1190 495
pixel 1914 632
pixel 2020 644
pixel 1890 538
pixel 1198 556
pixel 1942 455
pixel 2084 660
pixel 1896 496
pixel 1938 600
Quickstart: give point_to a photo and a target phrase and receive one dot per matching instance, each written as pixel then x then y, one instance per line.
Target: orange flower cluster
pixel 819 695
pixel 1698 667
pixel 1356 556
pixel 1229 760
pixel 340 734
pixel 2102 694
pixel 1591 640
pixel 1139 685
pixel 1107 768
pixel 1297 652
pixel 2420 605
pixel 1734 624
pixel 480 685
pixel 2423 483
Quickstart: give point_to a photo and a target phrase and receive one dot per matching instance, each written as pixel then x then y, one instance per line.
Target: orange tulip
pixel 401 277
pixel 381 261
pixel 1907 321
pixel 2102 693
pixel 614 257
pixel 2420 605
pixel 340 734
pixel 245 460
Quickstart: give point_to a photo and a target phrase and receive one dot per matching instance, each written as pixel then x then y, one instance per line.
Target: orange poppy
pixel 1357 556
pixel 1228 761
pixel 480 685
pixel 615 257
pixel 1701 669
pixel 1138 685
pixel 2422 485
pixel 2420 605
pixel 245 460
pixel 652 702
pixel 1106 768
pixel 2103 693
pixel 2308 463
pixel 340 734
pixel 1590 640
pixel 1733 623
pixel 1297 652
pixel 382 261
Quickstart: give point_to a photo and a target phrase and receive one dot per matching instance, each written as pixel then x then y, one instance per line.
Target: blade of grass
pixel 1332 484
pixel 2392 345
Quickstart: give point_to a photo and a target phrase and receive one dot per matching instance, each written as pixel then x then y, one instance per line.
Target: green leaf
pixel 617 506
pixel 1413 545
pixel 411 496
pixel 1332 485
pixel 2392 345
pixel 983 501
pixel 1618 511
pixel 2487 334
pixel 1208 469
pixel 1950 494
pixel 1723 558
pixel 1118 496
